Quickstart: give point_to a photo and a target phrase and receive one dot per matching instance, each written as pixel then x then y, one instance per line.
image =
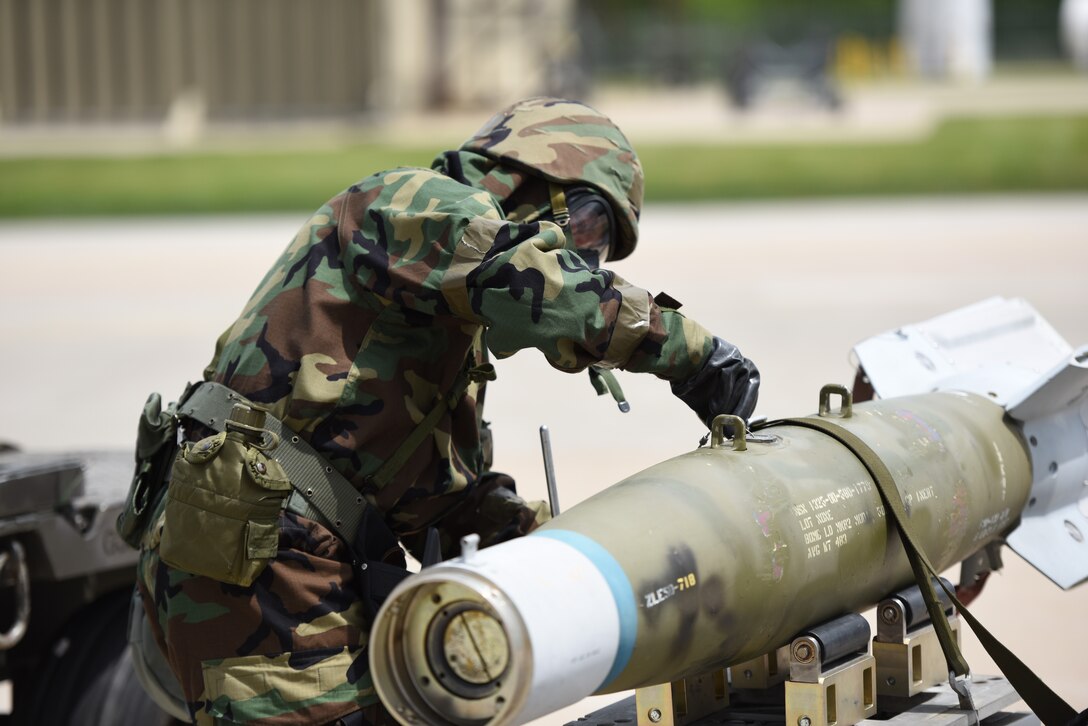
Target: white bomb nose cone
pixel 443 651
pixel 479 641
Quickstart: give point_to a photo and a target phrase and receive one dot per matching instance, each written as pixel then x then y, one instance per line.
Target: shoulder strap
pixel 321 492
pixel 389 469
pixel 1046 704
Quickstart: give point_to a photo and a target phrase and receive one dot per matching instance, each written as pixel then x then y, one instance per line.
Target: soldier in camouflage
pixel 386 295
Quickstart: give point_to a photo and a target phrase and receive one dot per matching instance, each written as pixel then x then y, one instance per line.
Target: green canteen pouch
pixel 156 442
pixel 223 508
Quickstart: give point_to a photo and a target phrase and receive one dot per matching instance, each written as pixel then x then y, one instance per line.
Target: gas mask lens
pixel 590 225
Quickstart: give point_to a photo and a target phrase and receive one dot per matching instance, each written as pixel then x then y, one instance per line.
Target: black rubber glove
pixel 727 383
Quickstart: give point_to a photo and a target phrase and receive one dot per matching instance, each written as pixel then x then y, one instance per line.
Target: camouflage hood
pixel 569 143
pixel 522 196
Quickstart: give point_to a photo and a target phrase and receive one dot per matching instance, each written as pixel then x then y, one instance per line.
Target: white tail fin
pixel 1005 350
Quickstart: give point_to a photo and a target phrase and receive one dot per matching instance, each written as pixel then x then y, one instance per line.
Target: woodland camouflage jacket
pixel 371 312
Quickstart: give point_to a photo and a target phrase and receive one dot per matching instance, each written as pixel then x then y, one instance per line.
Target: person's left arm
pixel 530 292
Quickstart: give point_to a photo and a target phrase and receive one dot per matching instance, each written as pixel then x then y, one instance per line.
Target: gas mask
pixel 587 220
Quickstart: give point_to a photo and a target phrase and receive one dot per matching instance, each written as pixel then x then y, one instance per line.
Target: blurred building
pixel 1074 26
pixel 691 41
pixel 961 39
pixel 185 62
pixel 948 38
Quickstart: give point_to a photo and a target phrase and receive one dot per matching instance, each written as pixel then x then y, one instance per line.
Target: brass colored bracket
pixel 684 701
pixel 832 675
pixel 912 664
pixel 717 431
pixel 846 408
pixel 842 695
pixel 766 671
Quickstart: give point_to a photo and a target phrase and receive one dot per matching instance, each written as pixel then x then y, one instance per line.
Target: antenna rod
pixel 549 470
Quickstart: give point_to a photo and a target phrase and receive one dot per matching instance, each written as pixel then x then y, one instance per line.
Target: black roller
pixel 915 606
pixel 841 637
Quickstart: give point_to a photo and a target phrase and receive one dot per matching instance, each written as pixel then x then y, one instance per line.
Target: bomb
pixel 710 558
pixel 727 552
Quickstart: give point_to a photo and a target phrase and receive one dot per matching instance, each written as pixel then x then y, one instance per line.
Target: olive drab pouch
pixel 224 502
pixel 156 442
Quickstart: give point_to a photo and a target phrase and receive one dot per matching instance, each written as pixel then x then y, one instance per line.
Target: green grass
pixel 969 155
pixel 181 184
pixel 962 156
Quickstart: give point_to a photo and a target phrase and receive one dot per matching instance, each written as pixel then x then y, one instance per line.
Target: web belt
pixel 320 492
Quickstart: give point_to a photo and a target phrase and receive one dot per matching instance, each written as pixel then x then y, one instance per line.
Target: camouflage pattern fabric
pixel 569 143
pixel 289 649
pixel 382 298
pixel 368 317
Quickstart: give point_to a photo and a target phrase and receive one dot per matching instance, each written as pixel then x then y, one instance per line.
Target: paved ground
pixel 95 314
